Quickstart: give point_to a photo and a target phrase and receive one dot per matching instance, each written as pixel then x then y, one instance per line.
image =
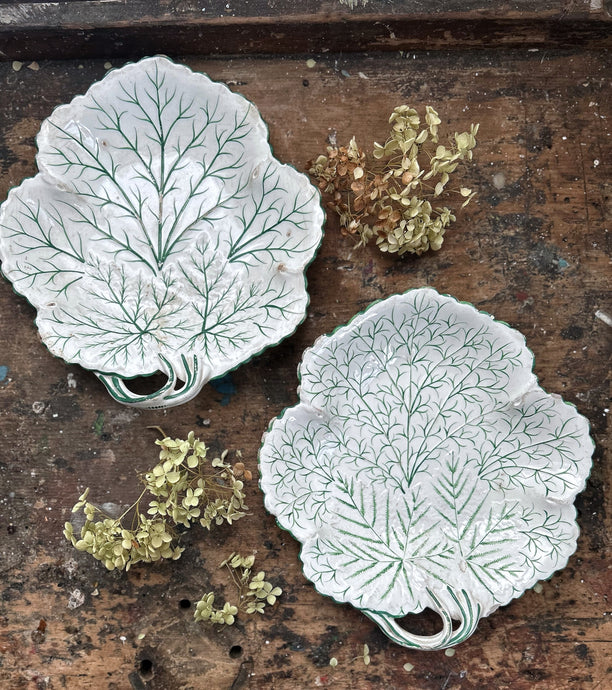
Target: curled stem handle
pixel 192 373
pixel 447 637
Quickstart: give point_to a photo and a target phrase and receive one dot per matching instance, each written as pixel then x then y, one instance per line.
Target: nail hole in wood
pixel 146 669
pixel 235 651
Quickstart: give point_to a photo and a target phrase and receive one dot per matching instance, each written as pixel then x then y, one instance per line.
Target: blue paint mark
pixel 224 385
pixel 562 263
pixel 3 372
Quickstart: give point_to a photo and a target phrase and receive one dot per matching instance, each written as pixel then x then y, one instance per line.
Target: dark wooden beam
pixel 110 28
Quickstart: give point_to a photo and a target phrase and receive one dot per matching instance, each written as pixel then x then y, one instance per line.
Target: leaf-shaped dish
pixel 425 467
pixel 160 234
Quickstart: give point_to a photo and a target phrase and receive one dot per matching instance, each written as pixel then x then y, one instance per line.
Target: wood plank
pixel 531 249
pixel 107 28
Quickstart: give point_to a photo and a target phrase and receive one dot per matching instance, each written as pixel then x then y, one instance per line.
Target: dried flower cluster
pixel 186 487
pixel 389 194
pixel 254 592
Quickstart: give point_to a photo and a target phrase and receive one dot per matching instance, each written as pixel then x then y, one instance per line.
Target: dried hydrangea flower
pixel 387 195
pixel 254 592
pixel 185 485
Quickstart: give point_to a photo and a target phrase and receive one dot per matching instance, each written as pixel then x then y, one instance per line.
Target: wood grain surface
pixel 91 28
pixel 532 250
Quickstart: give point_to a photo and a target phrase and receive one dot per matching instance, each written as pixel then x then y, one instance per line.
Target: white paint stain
pixel 499 180
pixel 13 14
pixel 38 407
pixel 76 599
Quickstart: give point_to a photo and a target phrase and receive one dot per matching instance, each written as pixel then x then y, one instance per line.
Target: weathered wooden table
pixel 532 250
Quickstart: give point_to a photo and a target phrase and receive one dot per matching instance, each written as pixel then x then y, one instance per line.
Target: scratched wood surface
pixel 89 28
pixel 531 249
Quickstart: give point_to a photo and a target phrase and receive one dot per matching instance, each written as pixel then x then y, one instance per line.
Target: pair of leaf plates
pixel 423 467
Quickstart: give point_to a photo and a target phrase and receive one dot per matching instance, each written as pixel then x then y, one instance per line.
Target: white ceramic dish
pixel 425 467
pixel 160 234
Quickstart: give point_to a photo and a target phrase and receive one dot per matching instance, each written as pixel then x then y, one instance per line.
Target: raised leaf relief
pixel 424 466
pixel 160 233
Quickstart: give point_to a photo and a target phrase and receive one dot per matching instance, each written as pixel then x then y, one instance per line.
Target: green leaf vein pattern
pixel 424 466
pixel 160 227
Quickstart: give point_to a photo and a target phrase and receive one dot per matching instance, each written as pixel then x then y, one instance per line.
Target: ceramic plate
pixel 160 234
pixel 424 467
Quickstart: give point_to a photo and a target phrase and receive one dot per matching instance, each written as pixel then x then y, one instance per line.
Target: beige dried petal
pixel 431 116
pixel 359 204
pixel 467 201
pixel 422 137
